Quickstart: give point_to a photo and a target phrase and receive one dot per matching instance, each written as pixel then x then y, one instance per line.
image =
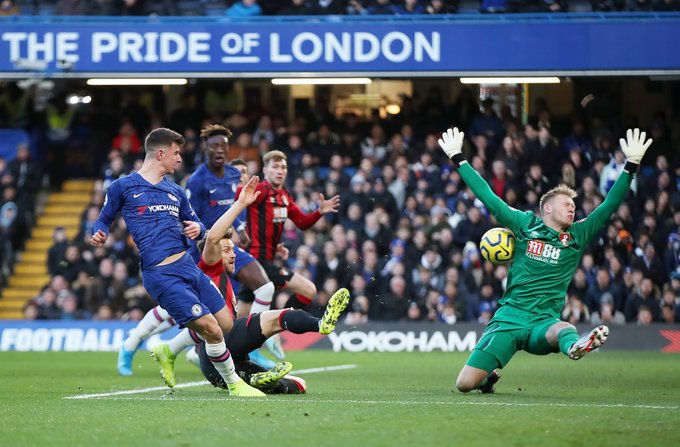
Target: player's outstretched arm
pixel 634 147
pixel 451 143
pixel 248 195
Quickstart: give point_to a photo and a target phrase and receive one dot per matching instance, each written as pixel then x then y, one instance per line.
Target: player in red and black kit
pixel 218 261
pixel 264 224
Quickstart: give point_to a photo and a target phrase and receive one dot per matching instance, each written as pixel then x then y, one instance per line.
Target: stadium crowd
pixel 405 240
pixel 248 8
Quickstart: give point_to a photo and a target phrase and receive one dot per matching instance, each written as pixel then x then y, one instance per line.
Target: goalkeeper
pixel 548 251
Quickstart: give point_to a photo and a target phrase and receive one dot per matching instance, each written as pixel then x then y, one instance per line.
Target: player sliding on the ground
pixel 547 254
pixel 218 261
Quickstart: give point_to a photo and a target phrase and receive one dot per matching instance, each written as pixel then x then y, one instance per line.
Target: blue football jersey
pixel 154 216
pixel 211 196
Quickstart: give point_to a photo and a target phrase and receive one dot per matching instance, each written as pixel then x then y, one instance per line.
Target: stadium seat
pixel 9 140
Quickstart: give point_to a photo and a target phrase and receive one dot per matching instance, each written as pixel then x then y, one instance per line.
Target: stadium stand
pixel 62 209
pixel 405 213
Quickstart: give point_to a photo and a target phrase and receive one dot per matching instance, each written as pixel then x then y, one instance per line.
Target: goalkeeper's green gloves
pixel 634 146
pixel 451 142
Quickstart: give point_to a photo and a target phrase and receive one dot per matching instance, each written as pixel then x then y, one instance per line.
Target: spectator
pixel 9 8
pixel 296 8
pixel 645 296
pixel 244 8
pixel 56 252
pixel 359 311
pixel 603 286
pixel 650 264
pixel 611 172
pixel 439 7
pixel 8 224
pixel 487 123
pixel 131 7
pixel 670 306
pixel 393 305
pixel 575 311
pixel 127 142
pixel 607 313
pixel 27 179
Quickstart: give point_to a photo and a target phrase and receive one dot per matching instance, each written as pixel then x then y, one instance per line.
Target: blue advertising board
pixel 384 47
pixel 72 336
pixel 107 336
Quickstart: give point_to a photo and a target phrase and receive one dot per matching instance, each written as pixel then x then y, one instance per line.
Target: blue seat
pixel 9 140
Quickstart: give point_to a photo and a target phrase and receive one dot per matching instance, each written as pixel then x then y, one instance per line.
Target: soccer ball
pixel 498 245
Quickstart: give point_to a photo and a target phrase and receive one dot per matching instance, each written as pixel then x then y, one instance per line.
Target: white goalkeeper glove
pixel 635 146
pixel 451 142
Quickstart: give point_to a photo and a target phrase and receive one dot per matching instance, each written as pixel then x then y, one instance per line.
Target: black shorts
pixel 277 274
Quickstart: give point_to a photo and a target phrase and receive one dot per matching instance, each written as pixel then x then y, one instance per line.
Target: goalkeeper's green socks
pixel 567 337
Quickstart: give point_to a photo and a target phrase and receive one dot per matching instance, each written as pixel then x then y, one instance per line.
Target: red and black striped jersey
pixel 265 218
pixel 219 276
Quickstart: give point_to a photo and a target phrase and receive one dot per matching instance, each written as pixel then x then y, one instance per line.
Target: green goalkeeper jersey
pixel 545 260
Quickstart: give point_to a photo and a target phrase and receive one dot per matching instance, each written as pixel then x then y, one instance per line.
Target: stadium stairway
pixel 30 275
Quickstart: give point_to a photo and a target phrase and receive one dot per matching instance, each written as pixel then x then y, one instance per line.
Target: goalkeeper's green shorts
pixel 509 331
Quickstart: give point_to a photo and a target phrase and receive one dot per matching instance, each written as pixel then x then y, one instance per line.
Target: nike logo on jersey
pixel 137 195
pixel 213 190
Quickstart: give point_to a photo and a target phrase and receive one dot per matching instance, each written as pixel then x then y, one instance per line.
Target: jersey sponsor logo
pixel 233 187
pixel 137 195
pixel 196 310
pixel 223 202
pixel 173 198
pixel 212 190
pixel 540 251
pixel 106 199
pixel 280 214
pixel 565 238
pixel 172 209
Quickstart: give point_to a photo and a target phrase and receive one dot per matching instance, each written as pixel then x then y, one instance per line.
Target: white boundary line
pixel 409 403
pixel 200 383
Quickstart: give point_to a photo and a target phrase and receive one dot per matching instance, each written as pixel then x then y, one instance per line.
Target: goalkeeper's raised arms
pixel 634 146
pixel 451 142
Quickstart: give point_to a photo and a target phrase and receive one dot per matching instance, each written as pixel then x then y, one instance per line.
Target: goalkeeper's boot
pixel 589 342
pixel 193 358
pixel 242 389
pixel 271 376
pixel 257 357
pixel 125 361
pixel 273 345
pixel 336 304
pixel 490 385
pixel 166 360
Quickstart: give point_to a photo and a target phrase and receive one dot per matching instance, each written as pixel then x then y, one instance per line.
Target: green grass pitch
pixel 388 399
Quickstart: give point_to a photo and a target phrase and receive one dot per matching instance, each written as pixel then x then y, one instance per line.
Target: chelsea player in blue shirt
pixel 160 219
